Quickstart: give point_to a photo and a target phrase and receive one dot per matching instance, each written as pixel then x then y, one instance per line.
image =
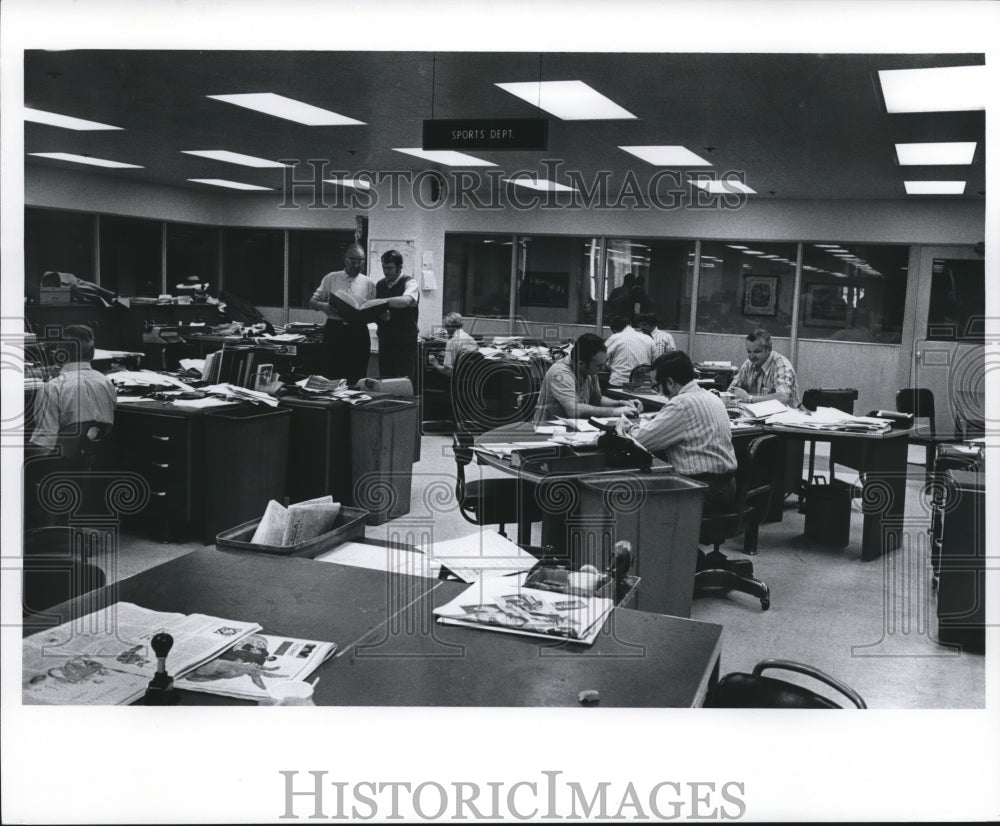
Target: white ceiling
pixel 797 126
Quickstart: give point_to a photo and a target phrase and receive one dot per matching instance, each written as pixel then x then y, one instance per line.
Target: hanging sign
pixel 486 133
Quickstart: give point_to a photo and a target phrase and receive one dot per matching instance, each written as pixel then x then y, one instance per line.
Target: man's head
pixel 81 341
pixel 628 280
pixel 618 323
pixel 392 265
pixel 672 371
pixel 647 322
pixel 758 345
pixel 453 323
pixel 590 354
pixel 354 260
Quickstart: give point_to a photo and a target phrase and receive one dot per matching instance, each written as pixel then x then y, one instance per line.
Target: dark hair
pixel 648 318
pixel 392 257
pixel 618 323
pixel 84 337
pixel 761 335
pixel 674 364
pixel 587 346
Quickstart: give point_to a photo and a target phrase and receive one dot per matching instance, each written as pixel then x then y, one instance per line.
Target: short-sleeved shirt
pixel 361 287
pixel 78 394
pixel 560 393
pixel 692 431
pixel 626 351
pixel 662 342
pixel 460 341
pixel 401 326
pixel 775 376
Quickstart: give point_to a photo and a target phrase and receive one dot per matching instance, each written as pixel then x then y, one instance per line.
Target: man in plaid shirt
pixel 765 374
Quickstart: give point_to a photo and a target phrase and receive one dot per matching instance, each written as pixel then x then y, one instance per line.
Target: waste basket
pixel 828 512
pixel 382 445
pixel 660 514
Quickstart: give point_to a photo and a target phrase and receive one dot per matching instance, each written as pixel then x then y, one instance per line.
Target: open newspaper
pixel 105 658
pixel 248 668
pixel 505 604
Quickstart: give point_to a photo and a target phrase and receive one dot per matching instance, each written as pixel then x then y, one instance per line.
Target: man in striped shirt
pixel 691 430
pixel 662 340
pixel 627 349
pixel 765 374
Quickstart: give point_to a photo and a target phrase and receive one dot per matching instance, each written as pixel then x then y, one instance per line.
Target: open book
pixel 353 310
pixel 297 523
pixel 105 658
pixel 503 603
pixel 247 669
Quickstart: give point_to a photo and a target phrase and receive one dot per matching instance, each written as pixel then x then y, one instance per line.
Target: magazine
pixel 105 658
pixel 256 662
pixel 505 604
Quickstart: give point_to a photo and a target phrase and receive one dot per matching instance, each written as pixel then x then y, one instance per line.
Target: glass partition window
pixel 192 250
pixel 556 279
pixel 477 275
pixel 958 301
pixel 649 276
pixel 59 242
pixel 131 256
pixel 744 285
pixel 853 292
pixel 253 265
pixel 314 253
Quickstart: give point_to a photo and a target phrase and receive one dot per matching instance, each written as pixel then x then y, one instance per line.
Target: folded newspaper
pixel 105 658
pixel 247 669
pixel 505 604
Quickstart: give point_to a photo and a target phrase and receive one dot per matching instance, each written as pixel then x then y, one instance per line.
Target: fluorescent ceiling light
pixel 737 247
pixel 723 187
pixel 568 100
pixel 754 252
pixel 289 109
pixel 666 155
pixel 827 246
pixel 234 157
pixel 69 156
pixel 445 156
pixel 934 187
pixel 936 154
pixel 65 121
pixel 540 184
pixel 357 183
pixel 226 184
pixel 950 89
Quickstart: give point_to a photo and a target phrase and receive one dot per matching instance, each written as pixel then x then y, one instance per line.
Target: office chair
pixel 754 477
pixel 742 690
pixel 53 572
pixel 640 377
pixel 499 501
pixel 919 402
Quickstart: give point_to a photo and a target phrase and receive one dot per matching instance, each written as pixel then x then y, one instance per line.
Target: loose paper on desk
pixel 383 558
pixel 481 554
pixel 247 669
pixel 145 378
pixel 105 657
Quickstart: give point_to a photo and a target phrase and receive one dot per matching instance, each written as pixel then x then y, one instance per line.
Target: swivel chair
pixel 742 690
pixel 716 573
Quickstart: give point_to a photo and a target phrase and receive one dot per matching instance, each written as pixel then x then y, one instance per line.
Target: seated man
pixel 458 341
pixel 627 349
pixel 691 430
pixel 662 340
pixel 765 374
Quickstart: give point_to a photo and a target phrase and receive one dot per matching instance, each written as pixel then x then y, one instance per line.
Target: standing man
pixel 347 344
pixel 458 340
pixel 397 327
pixel 627 349
pixel 765 374
pixel 662 340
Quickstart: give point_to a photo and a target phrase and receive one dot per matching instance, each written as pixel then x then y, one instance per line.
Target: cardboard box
pixel 54 295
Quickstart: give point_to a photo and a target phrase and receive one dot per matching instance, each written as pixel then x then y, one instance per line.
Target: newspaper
pixel 504 604
pixel 104 658
pixel 248 668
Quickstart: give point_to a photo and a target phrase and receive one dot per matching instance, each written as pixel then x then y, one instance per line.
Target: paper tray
pixel 350 525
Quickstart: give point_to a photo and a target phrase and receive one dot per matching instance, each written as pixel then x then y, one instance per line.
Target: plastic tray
pixel 350 525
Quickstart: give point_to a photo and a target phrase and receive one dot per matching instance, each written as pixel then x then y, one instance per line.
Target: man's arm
pixel 46 432
pixel 663 430
pixel 409 298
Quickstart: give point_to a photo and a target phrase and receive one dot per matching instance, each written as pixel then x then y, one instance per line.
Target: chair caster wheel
pixel 765 604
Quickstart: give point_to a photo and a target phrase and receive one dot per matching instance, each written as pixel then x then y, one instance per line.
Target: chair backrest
pixel 488 393
pixel 916 400
pixel 740 690
pixel 755 474
pixel 839 399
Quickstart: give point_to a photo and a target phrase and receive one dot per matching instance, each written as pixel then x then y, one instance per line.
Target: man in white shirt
pixel 627 349
pixel 458 340
pixel 347 344
pixel 662 341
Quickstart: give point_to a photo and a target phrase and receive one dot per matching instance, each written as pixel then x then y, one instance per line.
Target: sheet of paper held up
pixel 480 554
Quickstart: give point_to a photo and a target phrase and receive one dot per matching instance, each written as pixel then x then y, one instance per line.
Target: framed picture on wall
pixel 544 289
pixel 760 295
pixel 826 306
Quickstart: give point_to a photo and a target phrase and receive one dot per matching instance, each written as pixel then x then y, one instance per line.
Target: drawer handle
pixel 161 464
pixel 159 493
pixel 160 438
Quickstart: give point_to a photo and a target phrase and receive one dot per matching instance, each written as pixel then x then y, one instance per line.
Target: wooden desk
pixel 391 651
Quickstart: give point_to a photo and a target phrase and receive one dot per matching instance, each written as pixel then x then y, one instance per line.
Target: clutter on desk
pixel 104 658
pixel 304 528
pixel 134 380
pixel 506 604
pixel 829 418
pixel 250 669
pixel 387 557
pixel 331 388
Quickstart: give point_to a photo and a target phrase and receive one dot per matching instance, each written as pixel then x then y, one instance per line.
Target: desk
pixel 391 652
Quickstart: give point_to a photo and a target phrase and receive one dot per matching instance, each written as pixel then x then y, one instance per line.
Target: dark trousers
pixel 398 359
pixel 346 349
pixel 720 497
